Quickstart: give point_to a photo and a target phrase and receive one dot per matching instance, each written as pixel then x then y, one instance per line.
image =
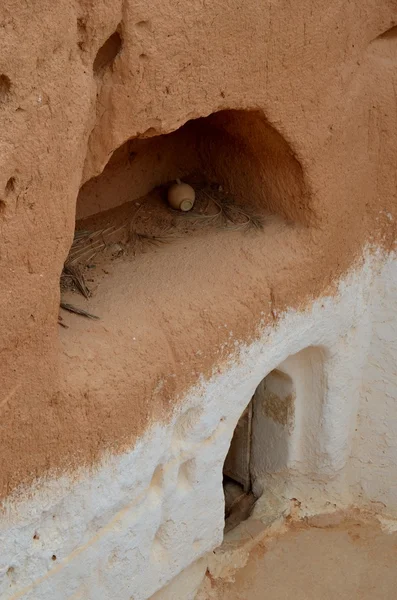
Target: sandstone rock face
pixel 291 110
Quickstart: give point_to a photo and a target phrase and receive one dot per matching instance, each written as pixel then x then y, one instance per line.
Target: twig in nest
pixel 229 215
pixel 235 217
pixel 78 311
pixel 139 241
pixel 256 221
pixel 208 218
pixel 86 246
pixel 74 273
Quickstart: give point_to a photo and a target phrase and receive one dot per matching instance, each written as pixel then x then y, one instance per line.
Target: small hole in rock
pixel 81 25
pixel 81 33
pixel 10 571
pixel 53 557
pixel 10 185
pixel 2 206
pixel 5 88
pixel 36 536
pixel 143 24
pixel 107 53
pixel 143 56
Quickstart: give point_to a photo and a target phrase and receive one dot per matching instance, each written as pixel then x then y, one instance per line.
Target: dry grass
pixel 86 245
pixel 76 310
pixel 140 242
pixel 73 274
pixel 217 208
pixel 84 248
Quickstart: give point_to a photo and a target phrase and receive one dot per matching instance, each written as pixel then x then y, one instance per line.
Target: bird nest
pixel 213 208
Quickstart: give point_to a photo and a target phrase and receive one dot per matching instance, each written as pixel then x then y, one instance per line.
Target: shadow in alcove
pixel 260 445
pixel 242 169
pixel 237 484
pixel 234 148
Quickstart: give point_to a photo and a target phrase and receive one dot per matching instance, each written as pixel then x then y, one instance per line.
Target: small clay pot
pixel 181 196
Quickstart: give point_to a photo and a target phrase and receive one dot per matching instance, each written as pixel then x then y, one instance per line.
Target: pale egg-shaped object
pixel 181 196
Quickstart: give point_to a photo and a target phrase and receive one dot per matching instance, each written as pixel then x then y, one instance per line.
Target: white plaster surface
pixel 127 529
pixel 373 466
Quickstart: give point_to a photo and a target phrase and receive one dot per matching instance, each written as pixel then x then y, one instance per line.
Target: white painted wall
pixel 127 529
pixel 373 466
